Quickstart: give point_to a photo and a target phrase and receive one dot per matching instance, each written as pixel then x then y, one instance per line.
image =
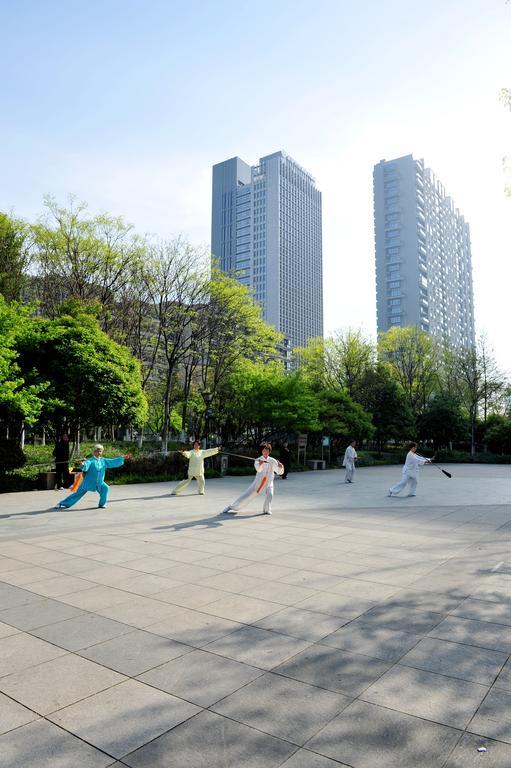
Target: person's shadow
pixel 207 522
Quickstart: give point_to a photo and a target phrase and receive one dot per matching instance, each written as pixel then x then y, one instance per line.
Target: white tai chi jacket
pixel 349 457
pixel 412 464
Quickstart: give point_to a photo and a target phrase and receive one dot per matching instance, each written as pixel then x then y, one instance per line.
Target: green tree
pixel 382 397
pixel 342 418
pixel 19 401
pixel 264 400
pixel 413 359
pixel 89 379
pixel 479 383
pixel 443 422
pixel 339 361
pixel 497 434
pixel 85 257
pixel 14 257
pixel 231 330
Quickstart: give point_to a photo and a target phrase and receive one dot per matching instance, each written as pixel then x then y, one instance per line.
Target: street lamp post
pixel 208 397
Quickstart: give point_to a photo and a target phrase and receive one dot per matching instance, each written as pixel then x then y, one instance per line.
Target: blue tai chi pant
pixel 103 491
pixel 94 479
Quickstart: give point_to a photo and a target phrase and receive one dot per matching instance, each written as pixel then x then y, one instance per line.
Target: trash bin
pixel 47 480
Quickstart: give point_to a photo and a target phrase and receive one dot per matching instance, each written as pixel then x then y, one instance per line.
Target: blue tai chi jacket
pixel 94 471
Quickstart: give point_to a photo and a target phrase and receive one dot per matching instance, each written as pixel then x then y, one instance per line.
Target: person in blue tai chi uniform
pixel 93 478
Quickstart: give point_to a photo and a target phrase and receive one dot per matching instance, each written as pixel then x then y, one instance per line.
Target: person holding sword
pixel 266 468
pixel 410 471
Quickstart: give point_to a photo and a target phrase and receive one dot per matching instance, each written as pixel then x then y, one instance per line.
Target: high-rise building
pixel 423 254
pixel 266 232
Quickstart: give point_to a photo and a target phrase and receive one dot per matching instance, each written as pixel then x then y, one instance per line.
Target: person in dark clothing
pixel 61 454
pixel 285 459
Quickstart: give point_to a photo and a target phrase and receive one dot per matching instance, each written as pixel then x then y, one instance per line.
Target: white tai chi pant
pixel 266 469
pixel 350 471
pixel 258 486
pixel 398 487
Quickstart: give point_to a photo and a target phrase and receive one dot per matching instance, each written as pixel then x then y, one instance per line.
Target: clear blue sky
pixel 128 104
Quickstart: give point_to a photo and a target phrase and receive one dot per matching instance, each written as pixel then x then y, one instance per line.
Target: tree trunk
pixel 166 417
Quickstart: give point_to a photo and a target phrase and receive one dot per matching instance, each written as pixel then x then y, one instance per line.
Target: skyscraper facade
pixel 423 254
pixel 266 232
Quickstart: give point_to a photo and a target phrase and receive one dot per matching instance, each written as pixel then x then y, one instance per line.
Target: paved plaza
pixel 347 629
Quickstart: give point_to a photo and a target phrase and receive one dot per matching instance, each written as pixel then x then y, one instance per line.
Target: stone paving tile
pixel 59 585
pixel 493 589
pixel 108 575
pixel 200 677
pixel 314 580
pixel 7 629
pixel 303 758
pixel 478 665
pixel 336 605
pixel 194 628
pixel 338 671
pixel 282 707
pixel 258 647
pixel 57 683
pixel 81 632
pixel 484 610
pixel 43 745
pixel 96 598
pixel 226 582
pixel 149 564
pixel 424 694
pixel 465 755
pixel 366 590
pixel 241 608
pixel 421 600
pixel 401 618
pixel 124 717
pixel 148 584
pixel 38 614
pixel 307 625
pixel 9 564
pixel 209 740
pixel 189 595
pixel 11 596
pixel 368 736
pixel 20 651
pixel 22 576
pixel 274 591
pixel 188 572
pixel 139 611
pixel 265 571
pixel 74 565
pixel 12 715
pixel 504 678
pixel 222 562
pixel 135 652
pixel 370 640
pixel 493 718
pixel 484 634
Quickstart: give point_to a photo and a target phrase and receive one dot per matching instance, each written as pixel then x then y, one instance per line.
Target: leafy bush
pixel 11 456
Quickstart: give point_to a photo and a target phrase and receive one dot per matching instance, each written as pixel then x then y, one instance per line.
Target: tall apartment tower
pixel 423 255
pixel 266 232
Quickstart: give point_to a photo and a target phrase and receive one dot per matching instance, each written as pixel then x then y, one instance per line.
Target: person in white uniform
pixel 195 467
pixel 266 468
pixel 410 472
pixel 350 457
